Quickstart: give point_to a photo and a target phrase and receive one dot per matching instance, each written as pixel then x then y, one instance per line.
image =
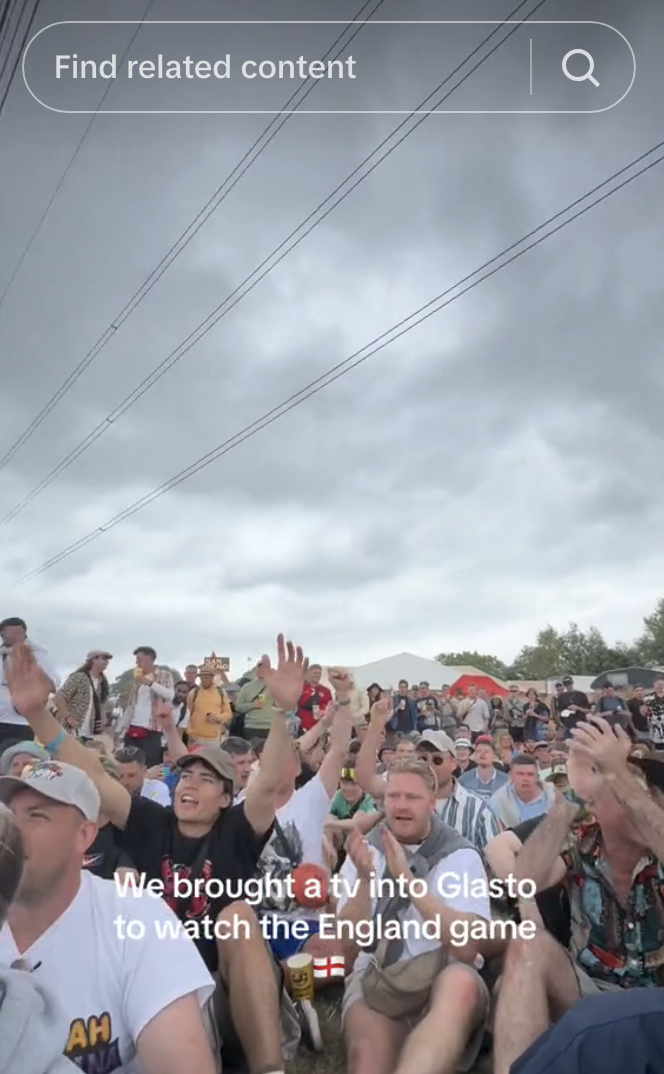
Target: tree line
pixel 573 651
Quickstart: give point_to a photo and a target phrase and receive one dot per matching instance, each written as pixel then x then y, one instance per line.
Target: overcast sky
pixel 495 469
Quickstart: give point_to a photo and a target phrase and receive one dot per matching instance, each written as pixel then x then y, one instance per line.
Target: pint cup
pixel 301 975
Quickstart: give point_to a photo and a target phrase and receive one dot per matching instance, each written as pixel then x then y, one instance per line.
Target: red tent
pixel 482 682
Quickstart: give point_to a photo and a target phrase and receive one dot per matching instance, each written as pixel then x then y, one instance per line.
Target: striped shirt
pixel 469 815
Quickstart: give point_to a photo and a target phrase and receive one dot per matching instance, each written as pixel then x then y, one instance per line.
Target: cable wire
pixel 192 229
pixel 10 9
pixel 63 177
pixel 255 277
pixel 21 50
pixel 379 343
pixel 5 20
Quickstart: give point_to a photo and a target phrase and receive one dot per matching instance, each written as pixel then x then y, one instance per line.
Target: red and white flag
pixel 325 968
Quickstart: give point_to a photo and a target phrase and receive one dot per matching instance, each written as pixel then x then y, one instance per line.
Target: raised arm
pixel 340 736
pixel 284 684
pixel 365 762
pixel 30 687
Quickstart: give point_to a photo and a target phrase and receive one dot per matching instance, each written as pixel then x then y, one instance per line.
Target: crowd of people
pixel 156 872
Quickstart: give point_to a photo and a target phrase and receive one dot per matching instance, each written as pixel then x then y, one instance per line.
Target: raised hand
pixel 285 682
pixel 381 712
pixel 608 746
pixel 341 681
pixel 28 685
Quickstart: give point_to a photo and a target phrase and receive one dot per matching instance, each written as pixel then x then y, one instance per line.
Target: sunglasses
pixel 435 759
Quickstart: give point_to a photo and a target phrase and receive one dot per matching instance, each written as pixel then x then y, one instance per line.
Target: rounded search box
pixel 401 67
pixel 588 77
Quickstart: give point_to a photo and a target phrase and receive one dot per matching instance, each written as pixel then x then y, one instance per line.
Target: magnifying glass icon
pixel 588 77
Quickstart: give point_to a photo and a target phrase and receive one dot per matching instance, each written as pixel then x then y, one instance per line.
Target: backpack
pixel 195 692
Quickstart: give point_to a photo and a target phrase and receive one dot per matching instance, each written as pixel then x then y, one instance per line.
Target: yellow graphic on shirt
pixel 91 1046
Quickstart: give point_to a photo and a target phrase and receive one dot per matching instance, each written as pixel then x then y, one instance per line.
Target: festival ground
pixel 333 1059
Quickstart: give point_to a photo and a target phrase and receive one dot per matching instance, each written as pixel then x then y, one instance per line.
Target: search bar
pixel 387 68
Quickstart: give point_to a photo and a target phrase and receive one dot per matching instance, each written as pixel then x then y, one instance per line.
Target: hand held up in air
pixel 381 713
pixel 285 682
pixel 608 745
pixel 341 682
pixel 28 685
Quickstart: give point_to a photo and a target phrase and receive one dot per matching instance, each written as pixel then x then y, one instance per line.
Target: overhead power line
pixel 293 240
pixel 21 49
pixel 230 182
pixel 5 22
pixel 486 271
pixel 70 165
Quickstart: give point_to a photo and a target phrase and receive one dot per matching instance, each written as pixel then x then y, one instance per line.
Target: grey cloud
pixel 483 475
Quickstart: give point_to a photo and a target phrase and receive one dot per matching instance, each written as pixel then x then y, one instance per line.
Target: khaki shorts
pixel 590 986
pixel 354 993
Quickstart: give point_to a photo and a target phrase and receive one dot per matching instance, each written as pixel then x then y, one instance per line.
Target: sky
pixel 493 470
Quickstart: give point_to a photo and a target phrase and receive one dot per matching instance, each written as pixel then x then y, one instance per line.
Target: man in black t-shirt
pixel 204 837
pixel 572 706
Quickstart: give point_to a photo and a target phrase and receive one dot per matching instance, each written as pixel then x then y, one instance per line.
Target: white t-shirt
pixel 156 791
pixel 304 817
pixel 461 866
pixel 302 821
pixel 8 713
pixel 142 715
pixel 110 989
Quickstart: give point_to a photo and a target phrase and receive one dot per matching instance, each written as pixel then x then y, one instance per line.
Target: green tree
pixel 484 662
pixel 122 687
pixel 543 660
pixel 651 642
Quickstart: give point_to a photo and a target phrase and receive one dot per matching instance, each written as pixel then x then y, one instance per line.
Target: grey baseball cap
pixel 60 782
pixel 27 749
pixel 439 740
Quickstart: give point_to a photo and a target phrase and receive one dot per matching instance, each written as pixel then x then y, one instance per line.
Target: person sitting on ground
pixel 462 810
pixel 297 839
pixel 33 1031
pixel 523 796
pixel 66 928
pixel 14 758
pixel 552 905
pixel 243 758
pixel 439 1025
pixel 486 778
pixel 505 750
pixel 351 809
pixel 463 749
pixel 134 778
pixel 105 857
pixel 204 837
pixel 613 869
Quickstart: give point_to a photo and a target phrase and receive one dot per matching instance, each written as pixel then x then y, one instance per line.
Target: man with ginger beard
pixel 414 843
pixel 205 837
